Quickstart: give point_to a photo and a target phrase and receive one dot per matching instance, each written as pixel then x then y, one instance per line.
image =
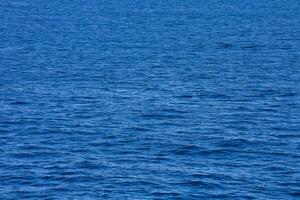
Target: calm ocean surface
pixel 174 99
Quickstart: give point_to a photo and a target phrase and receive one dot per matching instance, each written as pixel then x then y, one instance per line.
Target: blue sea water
pixel 174 99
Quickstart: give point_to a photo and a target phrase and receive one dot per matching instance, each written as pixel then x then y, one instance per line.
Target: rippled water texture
pixel 174 99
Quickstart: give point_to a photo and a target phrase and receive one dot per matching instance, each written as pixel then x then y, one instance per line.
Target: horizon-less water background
pixel 175 99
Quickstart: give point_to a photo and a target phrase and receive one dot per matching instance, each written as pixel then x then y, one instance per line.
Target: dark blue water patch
pixel 149 99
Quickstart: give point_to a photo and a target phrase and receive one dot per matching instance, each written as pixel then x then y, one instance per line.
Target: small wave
pixel 19 103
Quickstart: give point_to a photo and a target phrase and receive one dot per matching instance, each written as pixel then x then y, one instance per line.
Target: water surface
pixel 176 99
